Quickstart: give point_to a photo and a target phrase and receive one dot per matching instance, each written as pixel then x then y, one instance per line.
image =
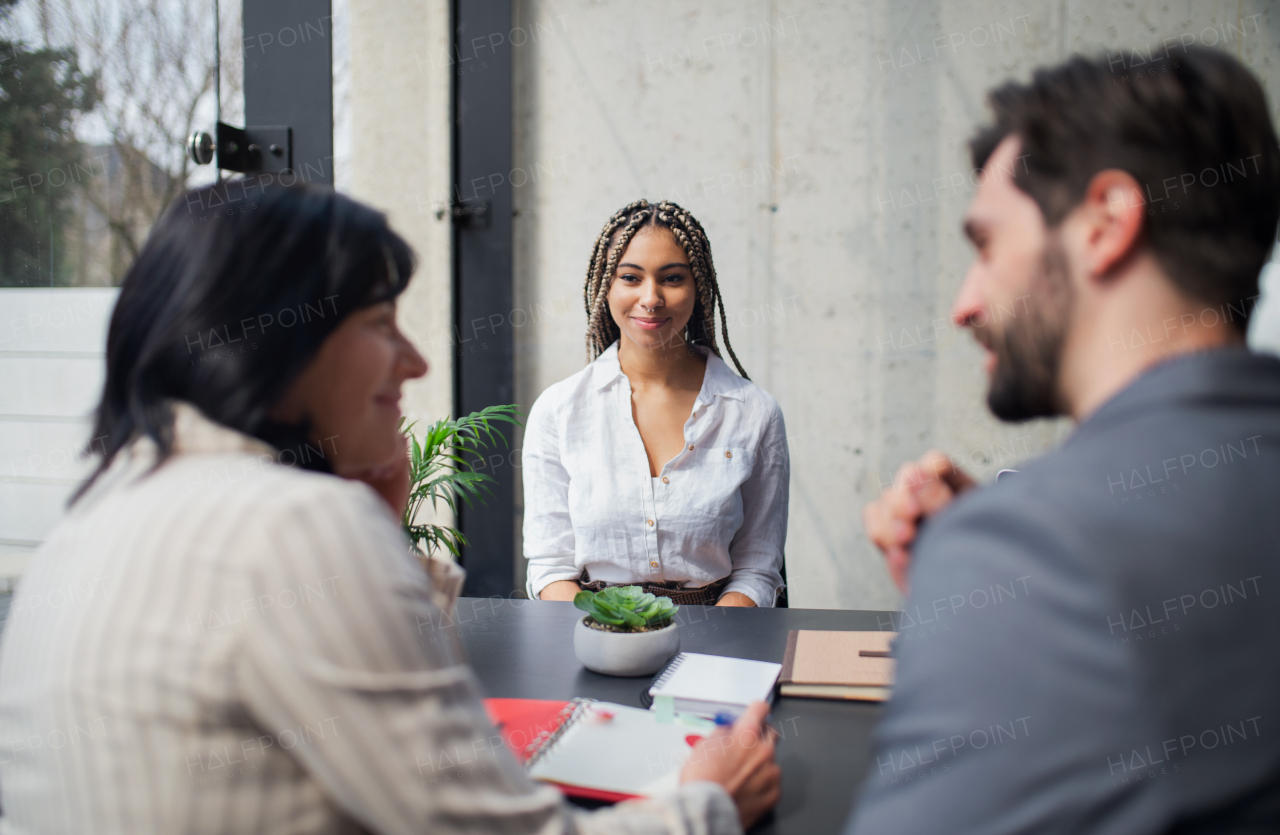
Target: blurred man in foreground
pixel 1086 646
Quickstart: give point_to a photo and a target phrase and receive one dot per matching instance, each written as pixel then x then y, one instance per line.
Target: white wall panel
pixel 50 385
pixel 30 449
pixel 71 319
pixel 52 344
pixel 28 511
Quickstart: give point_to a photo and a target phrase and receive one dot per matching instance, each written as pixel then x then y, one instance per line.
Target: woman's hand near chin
pixel 735 598
pixel 391 481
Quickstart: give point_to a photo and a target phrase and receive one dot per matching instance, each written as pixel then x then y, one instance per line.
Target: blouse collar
pixel 194 433
pixel 719 381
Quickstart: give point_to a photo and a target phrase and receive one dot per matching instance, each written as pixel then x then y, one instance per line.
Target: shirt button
pixel 665 480
pixel 691 447
pixel 649 522
pixel 728 454
pixel 653 565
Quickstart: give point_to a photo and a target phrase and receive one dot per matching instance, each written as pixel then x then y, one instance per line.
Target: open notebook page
pixel 631 753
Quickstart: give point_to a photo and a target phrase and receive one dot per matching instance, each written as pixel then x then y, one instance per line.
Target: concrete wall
pixel 822 147
pixel 397 93
pixel 821 144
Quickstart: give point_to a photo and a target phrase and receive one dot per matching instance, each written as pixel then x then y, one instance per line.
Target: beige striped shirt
pixel 232 645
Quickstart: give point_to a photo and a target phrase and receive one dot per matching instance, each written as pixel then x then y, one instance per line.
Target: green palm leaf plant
pixel 626 609
pixel 442 469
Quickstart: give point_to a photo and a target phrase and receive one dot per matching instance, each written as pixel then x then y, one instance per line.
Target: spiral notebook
pixel 709 684
pixel 597 750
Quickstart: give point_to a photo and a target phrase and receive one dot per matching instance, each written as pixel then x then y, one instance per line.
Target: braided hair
pixel 602 331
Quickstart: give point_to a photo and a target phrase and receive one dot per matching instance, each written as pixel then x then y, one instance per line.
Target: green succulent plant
pixel 626 607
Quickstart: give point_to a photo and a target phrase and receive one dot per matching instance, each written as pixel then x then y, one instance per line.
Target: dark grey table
pixel 524 649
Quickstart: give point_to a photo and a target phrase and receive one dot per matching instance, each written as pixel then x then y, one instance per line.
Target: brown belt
pixel 701 596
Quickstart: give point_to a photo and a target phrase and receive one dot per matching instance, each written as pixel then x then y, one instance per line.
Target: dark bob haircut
pixel 1191 125
pixel 229 299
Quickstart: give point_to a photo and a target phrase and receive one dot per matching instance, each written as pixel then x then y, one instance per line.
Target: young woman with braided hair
pixel 656 465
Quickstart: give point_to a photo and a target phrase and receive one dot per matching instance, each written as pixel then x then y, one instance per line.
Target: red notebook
pixel 525 722
pixel 571 745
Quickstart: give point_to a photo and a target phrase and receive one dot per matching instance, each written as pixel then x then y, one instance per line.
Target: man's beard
pixel 1024 383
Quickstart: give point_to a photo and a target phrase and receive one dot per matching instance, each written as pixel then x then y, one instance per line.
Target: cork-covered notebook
pixel 838 665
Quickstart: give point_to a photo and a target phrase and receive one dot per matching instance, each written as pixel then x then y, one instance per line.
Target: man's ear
pixel 1112 212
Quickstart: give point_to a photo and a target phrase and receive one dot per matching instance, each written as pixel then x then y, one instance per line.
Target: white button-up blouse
pixel 718 509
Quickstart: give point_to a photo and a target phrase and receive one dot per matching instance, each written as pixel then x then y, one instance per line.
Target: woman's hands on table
pixel 740 758
pixel 560 590
pixel 566 589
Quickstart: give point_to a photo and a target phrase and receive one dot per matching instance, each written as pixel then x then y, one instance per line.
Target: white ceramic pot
pixel 624 653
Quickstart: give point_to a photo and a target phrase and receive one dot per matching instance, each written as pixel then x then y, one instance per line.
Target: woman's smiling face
pixel 652 294
pixel 351 389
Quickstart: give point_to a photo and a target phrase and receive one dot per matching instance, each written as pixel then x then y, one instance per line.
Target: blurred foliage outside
pixel 96 100
pixel 41 93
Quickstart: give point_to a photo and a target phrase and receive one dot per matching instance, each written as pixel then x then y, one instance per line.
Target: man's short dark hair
pixel 1192 127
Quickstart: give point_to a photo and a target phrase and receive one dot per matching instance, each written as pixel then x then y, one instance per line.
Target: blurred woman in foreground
pixel 224 633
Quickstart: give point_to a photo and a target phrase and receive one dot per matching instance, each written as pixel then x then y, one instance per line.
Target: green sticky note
pixel 665 707
pixel 691 720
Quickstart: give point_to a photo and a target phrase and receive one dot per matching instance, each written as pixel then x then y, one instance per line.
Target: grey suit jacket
pixel 1091 645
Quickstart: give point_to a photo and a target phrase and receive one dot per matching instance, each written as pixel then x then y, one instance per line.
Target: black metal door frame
pixel 482 280
pixel 288 81
pixel 288 78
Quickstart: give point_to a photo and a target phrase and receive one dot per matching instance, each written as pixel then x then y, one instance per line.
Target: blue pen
pixel 725 718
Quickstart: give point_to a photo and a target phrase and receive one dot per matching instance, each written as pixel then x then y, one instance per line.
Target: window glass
pixel 97 98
